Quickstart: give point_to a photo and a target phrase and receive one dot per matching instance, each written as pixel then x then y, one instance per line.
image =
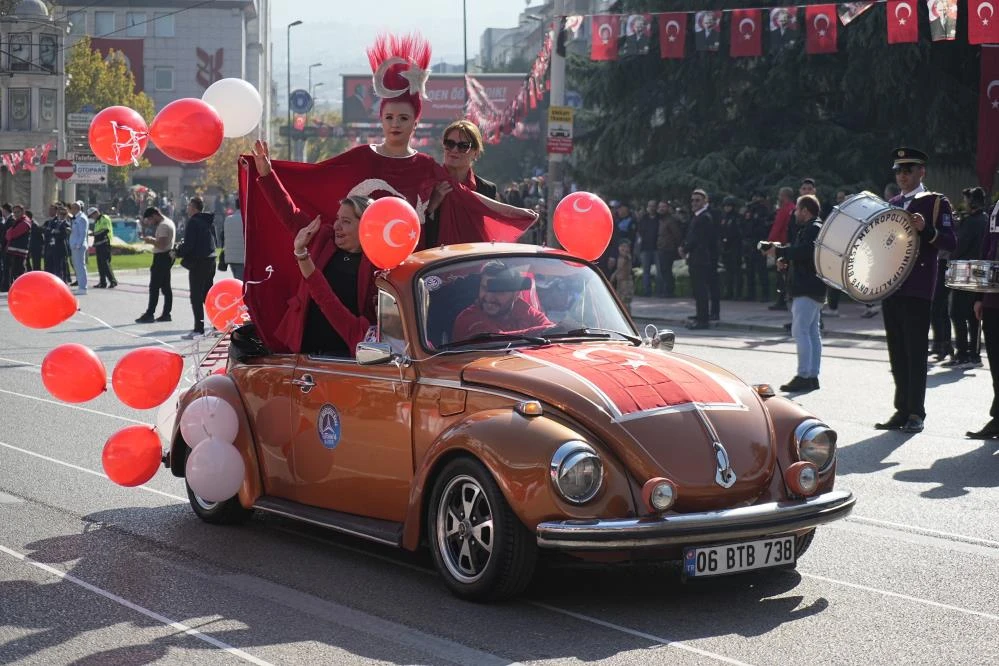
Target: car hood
pixel 662 414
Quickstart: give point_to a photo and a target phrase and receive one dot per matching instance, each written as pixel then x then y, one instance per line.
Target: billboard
pixel 446 93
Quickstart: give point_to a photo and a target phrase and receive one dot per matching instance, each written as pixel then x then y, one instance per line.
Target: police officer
pixel 907 311
pixel 730 238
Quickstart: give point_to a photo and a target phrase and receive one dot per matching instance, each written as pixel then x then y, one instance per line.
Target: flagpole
pixel 556 97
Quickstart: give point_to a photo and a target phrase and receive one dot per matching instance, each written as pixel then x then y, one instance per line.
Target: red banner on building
pixel 446 93
pixel 132 49
pixel 983 24
pixel 672 34
pixel 746 34
pixel 988 118
pixel 606 30
pixel 820 29
pixel 903 25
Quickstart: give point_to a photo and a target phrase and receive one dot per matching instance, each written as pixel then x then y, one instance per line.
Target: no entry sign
pixel 64 169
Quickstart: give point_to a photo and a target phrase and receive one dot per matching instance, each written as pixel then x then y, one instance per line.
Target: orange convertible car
pixel 506 407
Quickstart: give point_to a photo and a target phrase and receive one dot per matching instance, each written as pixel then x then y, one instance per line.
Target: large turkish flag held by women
pixel 988 117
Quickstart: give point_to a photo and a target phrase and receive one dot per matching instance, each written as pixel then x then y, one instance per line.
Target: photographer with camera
pixel 159 273
pixel 806 290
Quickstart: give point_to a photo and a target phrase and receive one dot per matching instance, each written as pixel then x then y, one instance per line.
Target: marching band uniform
pixel 907 311
pixel 987 309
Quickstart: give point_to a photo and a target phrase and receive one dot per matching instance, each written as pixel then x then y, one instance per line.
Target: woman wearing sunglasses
pixel 283 198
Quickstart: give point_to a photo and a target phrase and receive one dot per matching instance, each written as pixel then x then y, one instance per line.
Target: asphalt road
pixel 92 573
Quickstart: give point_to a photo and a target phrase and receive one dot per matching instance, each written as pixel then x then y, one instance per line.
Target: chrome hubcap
pixel 465 529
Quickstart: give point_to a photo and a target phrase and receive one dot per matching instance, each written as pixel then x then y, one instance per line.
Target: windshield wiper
pixel 590 332
pixel 492 337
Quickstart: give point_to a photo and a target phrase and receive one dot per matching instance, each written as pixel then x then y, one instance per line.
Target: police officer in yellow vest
pixel 103 233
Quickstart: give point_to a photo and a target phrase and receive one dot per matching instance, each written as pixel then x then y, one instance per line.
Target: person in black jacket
pixel 197 254
pixel 807 291
pixel 701 251
pixel 970 234
pixel 36 243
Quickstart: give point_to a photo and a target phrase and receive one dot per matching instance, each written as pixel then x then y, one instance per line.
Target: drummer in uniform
pixel 907 311
pixel 987 310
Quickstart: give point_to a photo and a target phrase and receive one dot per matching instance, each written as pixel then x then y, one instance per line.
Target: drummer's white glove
pixel 919 222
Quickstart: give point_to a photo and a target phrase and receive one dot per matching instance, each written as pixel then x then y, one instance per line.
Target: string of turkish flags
pixel 28 158
pixel 620 35
pixel 494 122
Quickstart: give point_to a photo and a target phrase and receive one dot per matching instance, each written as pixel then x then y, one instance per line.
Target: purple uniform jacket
pixel 937 235
pixel 990 247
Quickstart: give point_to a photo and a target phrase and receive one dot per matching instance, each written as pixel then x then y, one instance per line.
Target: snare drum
pixel 866 248
pixel 973 275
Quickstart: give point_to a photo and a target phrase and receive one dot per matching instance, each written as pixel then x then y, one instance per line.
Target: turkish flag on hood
pixel 672 34
pixel 820 29
pixel 606 30
pixel 746 34
pixel 988 117
pixel 983 24
pixel 903 26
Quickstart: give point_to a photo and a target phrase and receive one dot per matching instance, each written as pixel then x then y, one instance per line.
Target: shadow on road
pixel 868 456
pixel 975 469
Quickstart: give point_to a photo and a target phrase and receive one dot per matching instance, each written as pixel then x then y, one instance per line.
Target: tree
pixel 222 169
pixel 657 127
pixel 99 83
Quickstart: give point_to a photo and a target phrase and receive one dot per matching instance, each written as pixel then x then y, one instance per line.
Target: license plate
pixel 734 557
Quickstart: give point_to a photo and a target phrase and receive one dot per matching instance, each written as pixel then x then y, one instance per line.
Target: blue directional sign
pixel 573 99
pixel 300 101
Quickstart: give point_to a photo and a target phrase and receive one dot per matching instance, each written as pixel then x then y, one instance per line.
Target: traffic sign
pixel 91 173
pixel 63 169
pixel 79 121
pixel 300 101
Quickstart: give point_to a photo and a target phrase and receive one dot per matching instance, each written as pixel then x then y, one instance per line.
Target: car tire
pixel 229 512
pixel 801 544
pixel 478 562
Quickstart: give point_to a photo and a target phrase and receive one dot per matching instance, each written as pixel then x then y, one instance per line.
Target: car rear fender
pixel 517 450
pixel 221 386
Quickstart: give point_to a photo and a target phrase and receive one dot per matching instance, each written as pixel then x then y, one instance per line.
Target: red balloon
pixel 40 300
pixel 389 230
pixel 187 130
pixel 224 304
pixel 583 225
pixel 118 135
pixel 144 378
pixel 73 373
pixel 132 455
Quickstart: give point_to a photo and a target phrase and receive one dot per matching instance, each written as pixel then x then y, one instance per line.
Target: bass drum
pixel 866 248
pixel 978 275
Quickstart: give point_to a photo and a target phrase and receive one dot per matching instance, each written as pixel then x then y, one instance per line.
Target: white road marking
pixel 236 652
pixel 924 530
pixel 66 404
pixel 639 634
pixel 899 595
pixel 13 360
pixel 88 471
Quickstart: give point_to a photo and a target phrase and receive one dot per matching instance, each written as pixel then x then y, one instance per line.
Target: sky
pixel 335 32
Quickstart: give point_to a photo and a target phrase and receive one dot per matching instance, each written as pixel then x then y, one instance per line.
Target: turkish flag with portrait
pixel 672 34
pixel 606 30
pixel 983 24
pixel 820 29
pixel 746 35
pixel 903 26
pixel 988 118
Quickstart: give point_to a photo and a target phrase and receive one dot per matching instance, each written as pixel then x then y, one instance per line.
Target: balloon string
pixel 134 137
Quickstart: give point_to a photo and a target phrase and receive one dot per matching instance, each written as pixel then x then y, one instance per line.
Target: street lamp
pixel 290 26
pixel 313 65
pixel 312 90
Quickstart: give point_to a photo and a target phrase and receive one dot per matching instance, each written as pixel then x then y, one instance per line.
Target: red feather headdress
pixel 400 68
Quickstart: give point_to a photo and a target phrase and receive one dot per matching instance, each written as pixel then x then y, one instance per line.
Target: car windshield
pixel 504 300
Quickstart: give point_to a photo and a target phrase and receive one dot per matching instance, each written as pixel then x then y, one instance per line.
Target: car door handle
pixel 306 383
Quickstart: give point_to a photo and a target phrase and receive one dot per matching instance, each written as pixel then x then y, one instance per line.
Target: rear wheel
pixel 480 547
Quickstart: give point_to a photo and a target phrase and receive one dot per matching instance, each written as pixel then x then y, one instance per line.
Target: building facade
pixel 177 49
pixel 32 98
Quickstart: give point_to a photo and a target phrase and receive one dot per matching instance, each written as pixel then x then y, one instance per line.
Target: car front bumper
pixel 701 528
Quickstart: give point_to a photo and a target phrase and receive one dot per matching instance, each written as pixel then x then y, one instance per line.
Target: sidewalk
pixel 752 316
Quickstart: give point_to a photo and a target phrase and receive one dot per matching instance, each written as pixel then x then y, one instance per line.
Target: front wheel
pixel 229 512
pixel 479 546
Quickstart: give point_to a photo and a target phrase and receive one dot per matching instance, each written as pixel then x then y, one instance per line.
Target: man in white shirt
pixel 78 244
pixel 159 272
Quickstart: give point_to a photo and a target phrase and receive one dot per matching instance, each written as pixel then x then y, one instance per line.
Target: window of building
pixel 48 50
pixel 135 24
pixel 46 109
pixel 163 78
pixel 19 108
pixel 163 25
pixel 103 23
pixel 79 22
pixel 20 51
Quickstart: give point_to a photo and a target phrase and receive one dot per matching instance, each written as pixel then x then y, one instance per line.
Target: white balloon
pixel 166 417
pixel 215 470
pixel 238 104
pixel 208 416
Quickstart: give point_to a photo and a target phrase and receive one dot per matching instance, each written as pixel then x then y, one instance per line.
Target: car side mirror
pixel 373 353
pixel 664 340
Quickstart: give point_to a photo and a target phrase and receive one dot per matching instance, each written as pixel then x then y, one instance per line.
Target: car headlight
pixel 816 443
pixel 577 472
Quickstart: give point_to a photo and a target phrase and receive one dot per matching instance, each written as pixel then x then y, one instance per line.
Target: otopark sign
pixel 560 130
